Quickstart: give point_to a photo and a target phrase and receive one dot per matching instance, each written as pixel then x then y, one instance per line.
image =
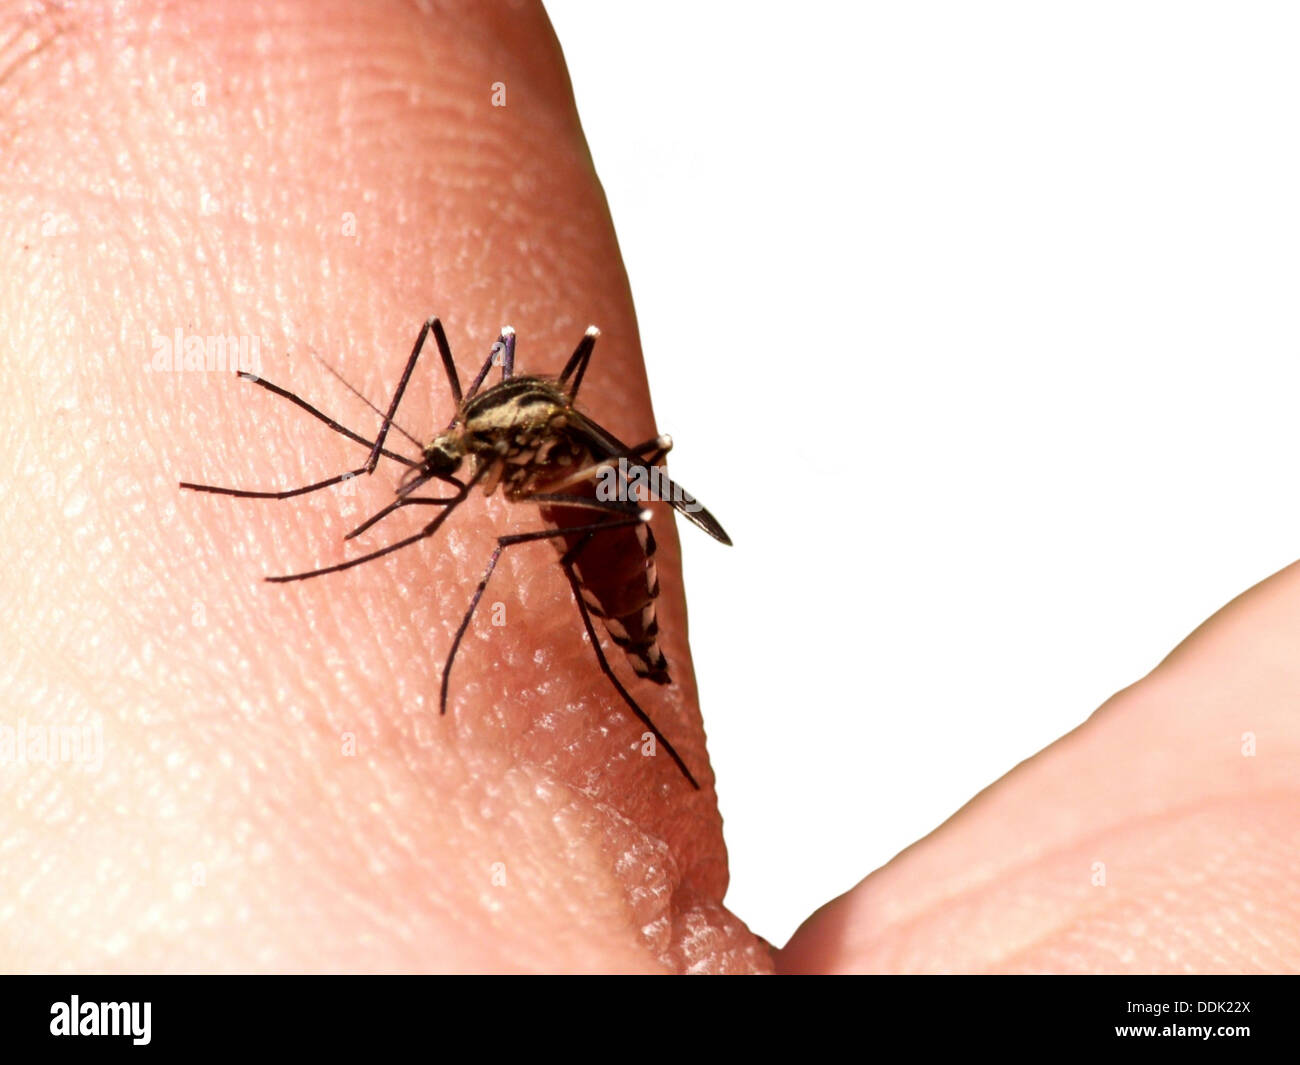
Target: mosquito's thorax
pixel 520 423
pixel 519 405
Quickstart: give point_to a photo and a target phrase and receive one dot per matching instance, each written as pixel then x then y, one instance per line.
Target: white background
pixel 976 325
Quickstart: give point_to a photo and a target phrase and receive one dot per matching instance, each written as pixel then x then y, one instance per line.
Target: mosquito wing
pixel 604 444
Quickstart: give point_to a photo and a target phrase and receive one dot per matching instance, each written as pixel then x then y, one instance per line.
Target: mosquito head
pixel 444 454
pixel 441 458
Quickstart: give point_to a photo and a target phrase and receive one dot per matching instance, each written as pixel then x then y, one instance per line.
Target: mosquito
pixel 525 436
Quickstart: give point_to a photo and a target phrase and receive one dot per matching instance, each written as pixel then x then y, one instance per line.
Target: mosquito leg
pixel 440 339
pixel 507 342
pixel 505 348
pixel 424 533
pixel 444 350
pixel 476 384
pixel 404 501
pixel 502 543
pixel 376 448
pixel 344 430
pixel 629 508
pixel 288 494
pixel 653 458
pixel 567 564
pixel 658 446
pixel 300 402
pixel 578 361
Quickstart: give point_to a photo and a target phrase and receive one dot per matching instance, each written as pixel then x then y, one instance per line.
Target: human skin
pixel 277 790
pixel 1161 836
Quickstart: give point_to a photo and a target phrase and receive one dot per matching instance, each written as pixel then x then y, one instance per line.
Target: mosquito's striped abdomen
pixel 620 583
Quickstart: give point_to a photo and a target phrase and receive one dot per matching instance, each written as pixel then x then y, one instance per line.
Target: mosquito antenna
pixel 357 392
